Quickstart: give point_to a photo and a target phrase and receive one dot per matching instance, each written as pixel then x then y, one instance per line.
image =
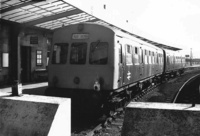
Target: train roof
pixel 114 28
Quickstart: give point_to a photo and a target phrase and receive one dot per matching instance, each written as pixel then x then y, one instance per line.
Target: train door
pixel 141 65
pixel 121 65
pixel 25 64
pixel 128 64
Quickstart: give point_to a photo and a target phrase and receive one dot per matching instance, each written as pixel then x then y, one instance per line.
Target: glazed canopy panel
pixel 54 14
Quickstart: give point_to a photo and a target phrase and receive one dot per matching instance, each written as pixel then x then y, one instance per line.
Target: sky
pixel 171 22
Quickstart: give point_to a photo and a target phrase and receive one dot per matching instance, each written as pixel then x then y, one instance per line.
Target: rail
pixel 192 84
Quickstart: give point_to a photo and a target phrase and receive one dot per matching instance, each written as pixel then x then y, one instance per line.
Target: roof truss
pixel 52 14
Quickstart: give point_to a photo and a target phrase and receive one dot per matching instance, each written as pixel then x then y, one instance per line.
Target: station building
pixel 24 46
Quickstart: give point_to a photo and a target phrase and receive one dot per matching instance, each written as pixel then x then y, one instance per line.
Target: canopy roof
pixel 53 14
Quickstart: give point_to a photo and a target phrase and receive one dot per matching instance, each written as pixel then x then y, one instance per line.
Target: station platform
pixel 32 88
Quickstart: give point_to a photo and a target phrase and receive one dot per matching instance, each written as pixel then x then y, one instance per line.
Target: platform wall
pixel 31 115
pixel 161 119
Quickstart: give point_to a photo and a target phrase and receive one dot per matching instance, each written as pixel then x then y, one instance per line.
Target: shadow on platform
pixel 34 91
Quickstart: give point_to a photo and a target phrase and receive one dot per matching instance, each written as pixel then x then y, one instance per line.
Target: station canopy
pixel 53 14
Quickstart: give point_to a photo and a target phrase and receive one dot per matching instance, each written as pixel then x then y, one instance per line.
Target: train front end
pixel 81 63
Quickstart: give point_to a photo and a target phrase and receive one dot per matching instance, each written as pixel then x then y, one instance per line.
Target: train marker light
pixel 97 86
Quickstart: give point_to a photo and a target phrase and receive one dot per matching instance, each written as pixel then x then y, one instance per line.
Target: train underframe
pixel 106 100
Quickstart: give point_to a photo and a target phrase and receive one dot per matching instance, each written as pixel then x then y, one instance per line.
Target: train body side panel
pixel 136 61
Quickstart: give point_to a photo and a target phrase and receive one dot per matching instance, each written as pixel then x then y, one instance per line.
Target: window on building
pixel 38 57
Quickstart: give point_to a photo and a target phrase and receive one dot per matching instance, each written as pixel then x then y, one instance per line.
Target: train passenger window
pixel 78 53
pixel 136 50
pixel 120 54
pixel 145 57
pixel 153 61
pixel 168 59
pixel 161 58
pixel 99 53
pixel 129 55
pixel 149 57
pixel 157 58
pixel 136 56
pixel 60 51
pixel 142 55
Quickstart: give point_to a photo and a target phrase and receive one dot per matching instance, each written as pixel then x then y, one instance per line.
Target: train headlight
pixel 97 86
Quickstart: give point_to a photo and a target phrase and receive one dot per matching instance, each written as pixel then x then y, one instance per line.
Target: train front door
pixel 25 64
pixel 121 66
pixel 141 66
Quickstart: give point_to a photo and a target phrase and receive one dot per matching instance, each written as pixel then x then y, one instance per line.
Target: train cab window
pixel 129 55
pixel 60 51
pixel 99 53
pixel 78 53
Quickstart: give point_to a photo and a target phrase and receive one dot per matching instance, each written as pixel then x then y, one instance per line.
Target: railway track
pixel 114 121
pixel 189 92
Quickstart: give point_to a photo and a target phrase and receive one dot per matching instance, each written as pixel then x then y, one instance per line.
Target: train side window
pixel 149 57
pixel 142 56
pixel 129 55
pixel 153 58
pixel 78 53
pixel 168 59
pixel 145 57
pixel 161 58
pixel 136 56
pixel 120 54
pixel 99 53
pixel 157 58
pixel 60 51
pixel 136 50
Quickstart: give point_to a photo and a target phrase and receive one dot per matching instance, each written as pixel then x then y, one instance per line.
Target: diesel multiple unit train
pixel 91 62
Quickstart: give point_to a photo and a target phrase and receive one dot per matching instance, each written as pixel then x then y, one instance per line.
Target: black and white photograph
pixel 99 67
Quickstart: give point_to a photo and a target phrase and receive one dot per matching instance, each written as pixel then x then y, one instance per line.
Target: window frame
pixel 67 52
pixel 106 44
pixel 39 57
pixel 85 55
